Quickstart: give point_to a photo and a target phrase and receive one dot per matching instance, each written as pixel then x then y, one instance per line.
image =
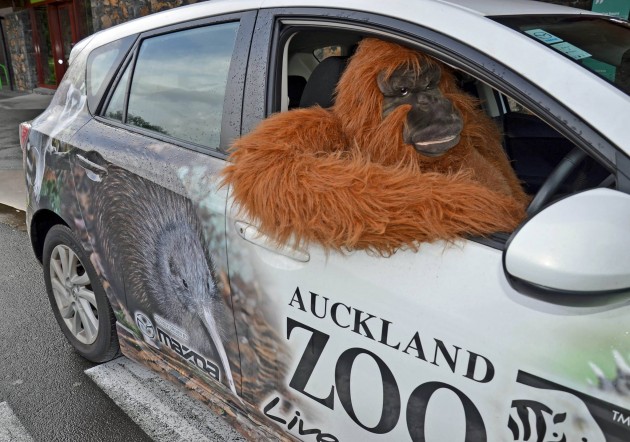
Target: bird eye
pixel 403 91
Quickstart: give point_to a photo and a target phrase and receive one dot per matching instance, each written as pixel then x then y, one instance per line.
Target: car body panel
pixel 182 224
pixel 412 322
pixel 46 155
pixel 323 345
pixel 153 207
pixel 394 8
pixel 277 287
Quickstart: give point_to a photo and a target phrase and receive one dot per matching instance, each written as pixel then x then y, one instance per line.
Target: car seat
pixel 321 85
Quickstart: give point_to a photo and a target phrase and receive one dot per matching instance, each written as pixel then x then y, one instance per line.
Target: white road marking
pixel 11 430
pixel 164 412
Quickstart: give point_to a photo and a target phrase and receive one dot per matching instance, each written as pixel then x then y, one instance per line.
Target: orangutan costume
pixel 344 178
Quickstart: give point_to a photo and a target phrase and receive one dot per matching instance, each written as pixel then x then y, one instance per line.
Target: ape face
pixel 433 124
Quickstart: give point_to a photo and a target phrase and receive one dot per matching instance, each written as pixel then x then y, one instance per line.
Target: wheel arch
pixel 43 220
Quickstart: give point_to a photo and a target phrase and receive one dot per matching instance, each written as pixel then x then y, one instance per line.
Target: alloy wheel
pixel 73 293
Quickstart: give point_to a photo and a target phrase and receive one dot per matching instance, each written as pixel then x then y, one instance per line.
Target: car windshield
pixel 598 43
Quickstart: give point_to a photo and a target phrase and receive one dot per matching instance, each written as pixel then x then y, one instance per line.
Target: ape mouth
pixel 436 148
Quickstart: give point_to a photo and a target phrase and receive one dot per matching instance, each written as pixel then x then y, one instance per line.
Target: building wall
pixel 19 35
pixel 107 13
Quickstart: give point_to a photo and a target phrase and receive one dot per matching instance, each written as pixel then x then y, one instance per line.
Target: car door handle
pixel 94 171
pixel 251 234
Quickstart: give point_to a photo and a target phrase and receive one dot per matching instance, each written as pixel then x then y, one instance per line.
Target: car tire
pixel 77 297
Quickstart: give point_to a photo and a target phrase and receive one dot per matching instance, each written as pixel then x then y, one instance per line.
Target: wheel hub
pixel 75 299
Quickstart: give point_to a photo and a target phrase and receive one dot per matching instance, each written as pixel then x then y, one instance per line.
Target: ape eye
pixel 403 91
pixel 431 85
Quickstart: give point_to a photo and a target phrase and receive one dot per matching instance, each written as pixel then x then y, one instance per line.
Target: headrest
pixel 321 85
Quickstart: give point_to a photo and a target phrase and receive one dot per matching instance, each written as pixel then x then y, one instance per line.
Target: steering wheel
pixel 562 171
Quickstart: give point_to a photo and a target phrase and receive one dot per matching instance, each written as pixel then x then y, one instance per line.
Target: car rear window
pixel 599 44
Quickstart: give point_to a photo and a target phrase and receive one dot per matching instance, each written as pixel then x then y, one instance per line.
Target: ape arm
pixel 296 178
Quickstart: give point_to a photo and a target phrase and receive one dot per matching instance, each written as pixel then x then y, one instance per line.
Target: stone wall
pixel 107 13
pixel 19 35
pixel 161 5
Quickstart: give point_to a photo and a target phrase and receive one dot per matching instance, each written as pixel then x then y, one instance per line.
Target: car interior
pixel 314 59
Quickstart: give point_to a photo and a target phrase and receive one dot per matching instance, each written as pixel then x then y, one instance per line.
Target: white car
pixel 518 336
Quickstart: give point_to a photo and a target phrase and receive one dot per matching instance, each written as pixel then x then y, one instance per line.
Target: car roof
pixel 474 7
pixel 589 96
pixel 511 7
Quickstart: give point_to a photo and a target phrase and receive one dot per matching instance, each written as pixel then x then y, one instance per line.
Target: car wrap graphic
pixel 171 336
pixel 460 384
pixel 173 280
pixel 592 419
pixel 533 409
pixel 326 359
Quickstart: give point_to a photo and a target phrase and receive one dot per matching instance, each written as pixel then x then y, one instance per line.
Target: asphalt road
pixel 41 378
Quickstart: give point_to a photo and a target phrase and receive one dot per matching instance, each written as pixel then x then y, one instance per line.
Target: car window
pixel 178 84
pixel 534 149
pixel 101 65
pixel 599 44
pixel 116 107
pixel 315 50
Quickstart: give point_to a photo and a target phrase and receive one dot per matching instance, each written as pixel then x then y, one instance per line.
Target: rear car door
pixel 145 173
pixel 427 345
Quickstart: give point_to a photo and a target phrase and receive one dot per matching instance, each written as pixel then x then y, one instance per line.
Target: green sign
pixel 614 8
pixel 606 70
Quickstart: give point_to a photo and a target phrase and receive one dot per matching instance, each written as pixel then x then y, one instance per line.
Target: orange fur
pixel 345 179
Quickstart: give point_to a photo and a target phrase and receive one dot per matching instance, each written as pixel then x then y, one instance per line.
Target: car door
pixel 427 345
pixel 145 173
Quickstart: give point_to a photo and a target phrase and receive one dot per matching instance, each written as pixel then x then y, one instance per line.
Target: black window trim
pixel 269 32
pixel 232 102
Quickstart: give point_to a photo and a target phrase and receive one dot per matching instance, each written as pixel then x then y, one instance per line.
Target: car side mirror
pixel 576 250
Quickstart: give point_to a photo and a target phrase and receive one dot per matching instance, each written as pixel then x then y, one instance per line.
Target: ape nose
pixel 433 102
pixel 424 103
